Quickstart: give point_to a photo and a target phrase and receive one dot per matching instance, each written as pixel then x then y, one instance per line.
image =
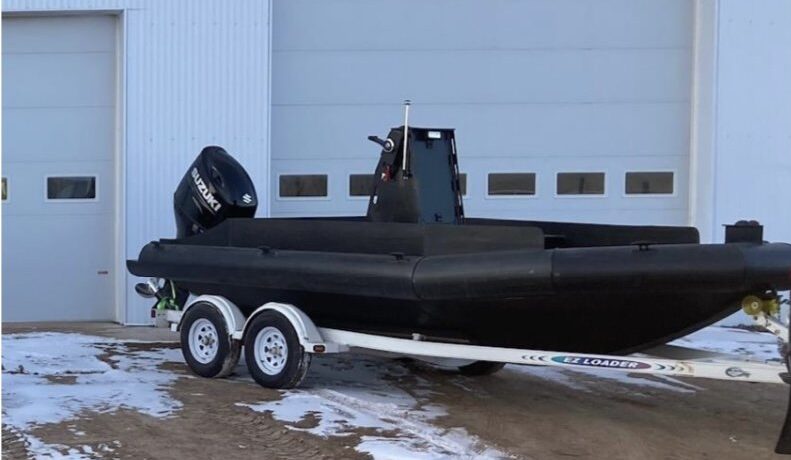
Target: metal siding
pixel 196 74
pixel 753 163
pixel 539 86
pixel 745 162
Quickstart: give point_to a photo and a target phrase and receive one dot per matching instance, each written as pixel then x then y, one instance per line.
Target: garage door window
pixel 303 186
pixel 71 188
pixel 361 184
pixel 580 183
pixel 510 184
pixel 649 183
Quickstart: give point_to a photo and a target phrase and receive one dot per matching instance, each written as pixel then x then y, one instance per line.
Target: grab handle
pixel 387 144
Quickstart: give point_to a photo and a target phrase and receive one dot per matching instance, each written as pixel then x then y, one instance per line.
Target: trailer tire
pixel 480 368
pixel 206 344
pixel 273 353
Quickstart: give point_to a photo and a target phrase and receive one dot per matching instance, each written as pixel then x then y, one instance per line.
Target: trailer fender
pixel 234 319
pixel 309 336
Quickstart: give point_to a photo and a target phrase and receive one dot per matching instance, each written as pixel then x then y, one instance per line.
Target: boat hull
pixel 595 322
pixel 490 286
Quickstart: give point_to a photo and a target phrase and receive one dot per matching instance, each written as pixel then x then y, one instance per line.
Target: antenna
pixel 407 103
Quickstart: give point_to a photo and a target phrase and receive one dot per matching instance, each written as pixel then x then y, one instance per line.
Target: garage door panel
pixel 53 306
pixel 489 130
pixel 36 234
pixel 53 269
pixel 339 202
pixel 614 165
pixel 58 80
pixel 569 208
pixel 519 24
pixel 79 34
pixel 58 134
pixel 627 217
pixel 27 188
pixel 527 211
pixel 549 85
pixel 546 171
pixel 489 76
pixel 58 254
pixel 656 209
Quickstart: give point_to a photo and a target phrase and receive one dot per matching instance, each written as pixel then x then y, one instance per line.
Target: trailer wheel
pixel 480 368
pixel 273 353
pixel 206 344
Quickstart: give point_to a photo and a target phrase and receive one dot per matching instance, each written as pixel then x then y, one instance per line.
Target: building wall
pixel 193 73
pixel 743 134
pixel 753 116
pixel 533 86
pixel 702 130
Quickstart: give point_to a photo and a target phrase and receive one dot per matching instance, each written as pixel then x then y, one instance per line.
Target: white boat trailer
pixel 270 348
pixel 662 360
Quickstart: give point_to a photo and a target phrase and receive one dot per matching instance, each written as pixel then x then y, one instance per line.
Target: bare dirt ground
pixel 519 414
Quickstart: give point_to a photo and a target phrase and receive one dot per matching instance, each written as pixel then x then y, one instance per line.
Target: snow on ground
pixel 760 346
pixel 740 343
pixel 53 377
pixel 344 394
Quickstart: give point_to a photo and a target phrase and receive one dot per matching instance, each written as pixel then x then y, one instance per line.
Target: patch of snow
pixel 333 419
pixel 51 451
pixel 345 394
pixel 727 340
pixel 384 448
pixel 53 377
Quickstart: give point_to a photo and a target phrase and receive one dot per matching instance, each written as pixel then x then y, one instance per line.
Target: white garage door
pixel 58 168
pixel 587 103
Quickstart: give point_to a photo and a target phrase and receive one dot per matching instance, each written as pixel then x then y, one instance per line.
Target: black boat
pixel 417 264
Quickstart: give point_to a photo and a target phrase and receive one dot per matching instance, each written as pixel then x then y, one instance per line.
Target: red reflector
pixel 318 348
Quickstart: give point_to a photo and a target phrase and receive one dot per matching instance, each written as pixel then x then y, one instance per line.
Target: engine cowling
pixel 214 188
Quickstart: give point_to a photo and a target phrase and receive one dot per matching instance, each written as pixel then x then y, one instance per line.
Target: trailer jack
pixel 784 441
pixel 765 312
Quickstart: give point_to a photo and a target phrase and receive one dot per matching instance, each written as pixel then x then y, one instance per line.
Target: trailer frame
pixel 666 360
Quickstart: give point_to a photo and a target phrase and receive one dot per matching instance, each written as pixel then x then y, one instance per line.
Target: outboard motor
pixel 214 188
